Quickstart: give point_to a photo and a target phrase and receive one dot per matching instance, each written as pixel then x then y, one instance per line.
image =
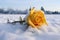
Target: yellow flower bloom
pixel 36 18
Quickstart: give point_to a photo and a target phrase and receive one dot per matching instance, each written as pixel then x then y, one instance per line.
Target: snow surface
pixel 16 31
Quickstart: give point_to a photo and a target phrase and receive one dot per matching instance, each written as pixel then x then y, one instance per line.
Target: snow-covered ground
pixel 16 31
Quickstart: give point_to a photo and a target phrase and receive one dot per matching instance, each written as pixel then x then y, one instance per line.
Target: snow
pixel 16 31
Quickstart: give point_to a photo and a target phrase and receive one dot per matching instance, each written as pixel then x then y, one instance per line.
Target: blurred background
pixel 22 6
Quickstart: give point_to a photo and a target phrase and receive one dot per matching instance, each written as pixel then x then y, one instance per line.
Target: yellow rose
pixel 36 18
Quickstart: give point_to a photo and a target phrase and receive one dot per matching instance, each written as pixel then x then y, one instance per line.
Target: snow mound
pixel 18 32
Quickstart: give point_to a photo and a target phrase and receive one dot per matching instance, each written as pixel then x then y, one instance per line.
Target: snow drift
pixel 16 31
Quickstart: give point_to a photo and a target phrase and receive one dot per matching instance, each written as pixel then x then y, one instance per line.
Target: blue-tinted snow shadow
pixel 13 28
